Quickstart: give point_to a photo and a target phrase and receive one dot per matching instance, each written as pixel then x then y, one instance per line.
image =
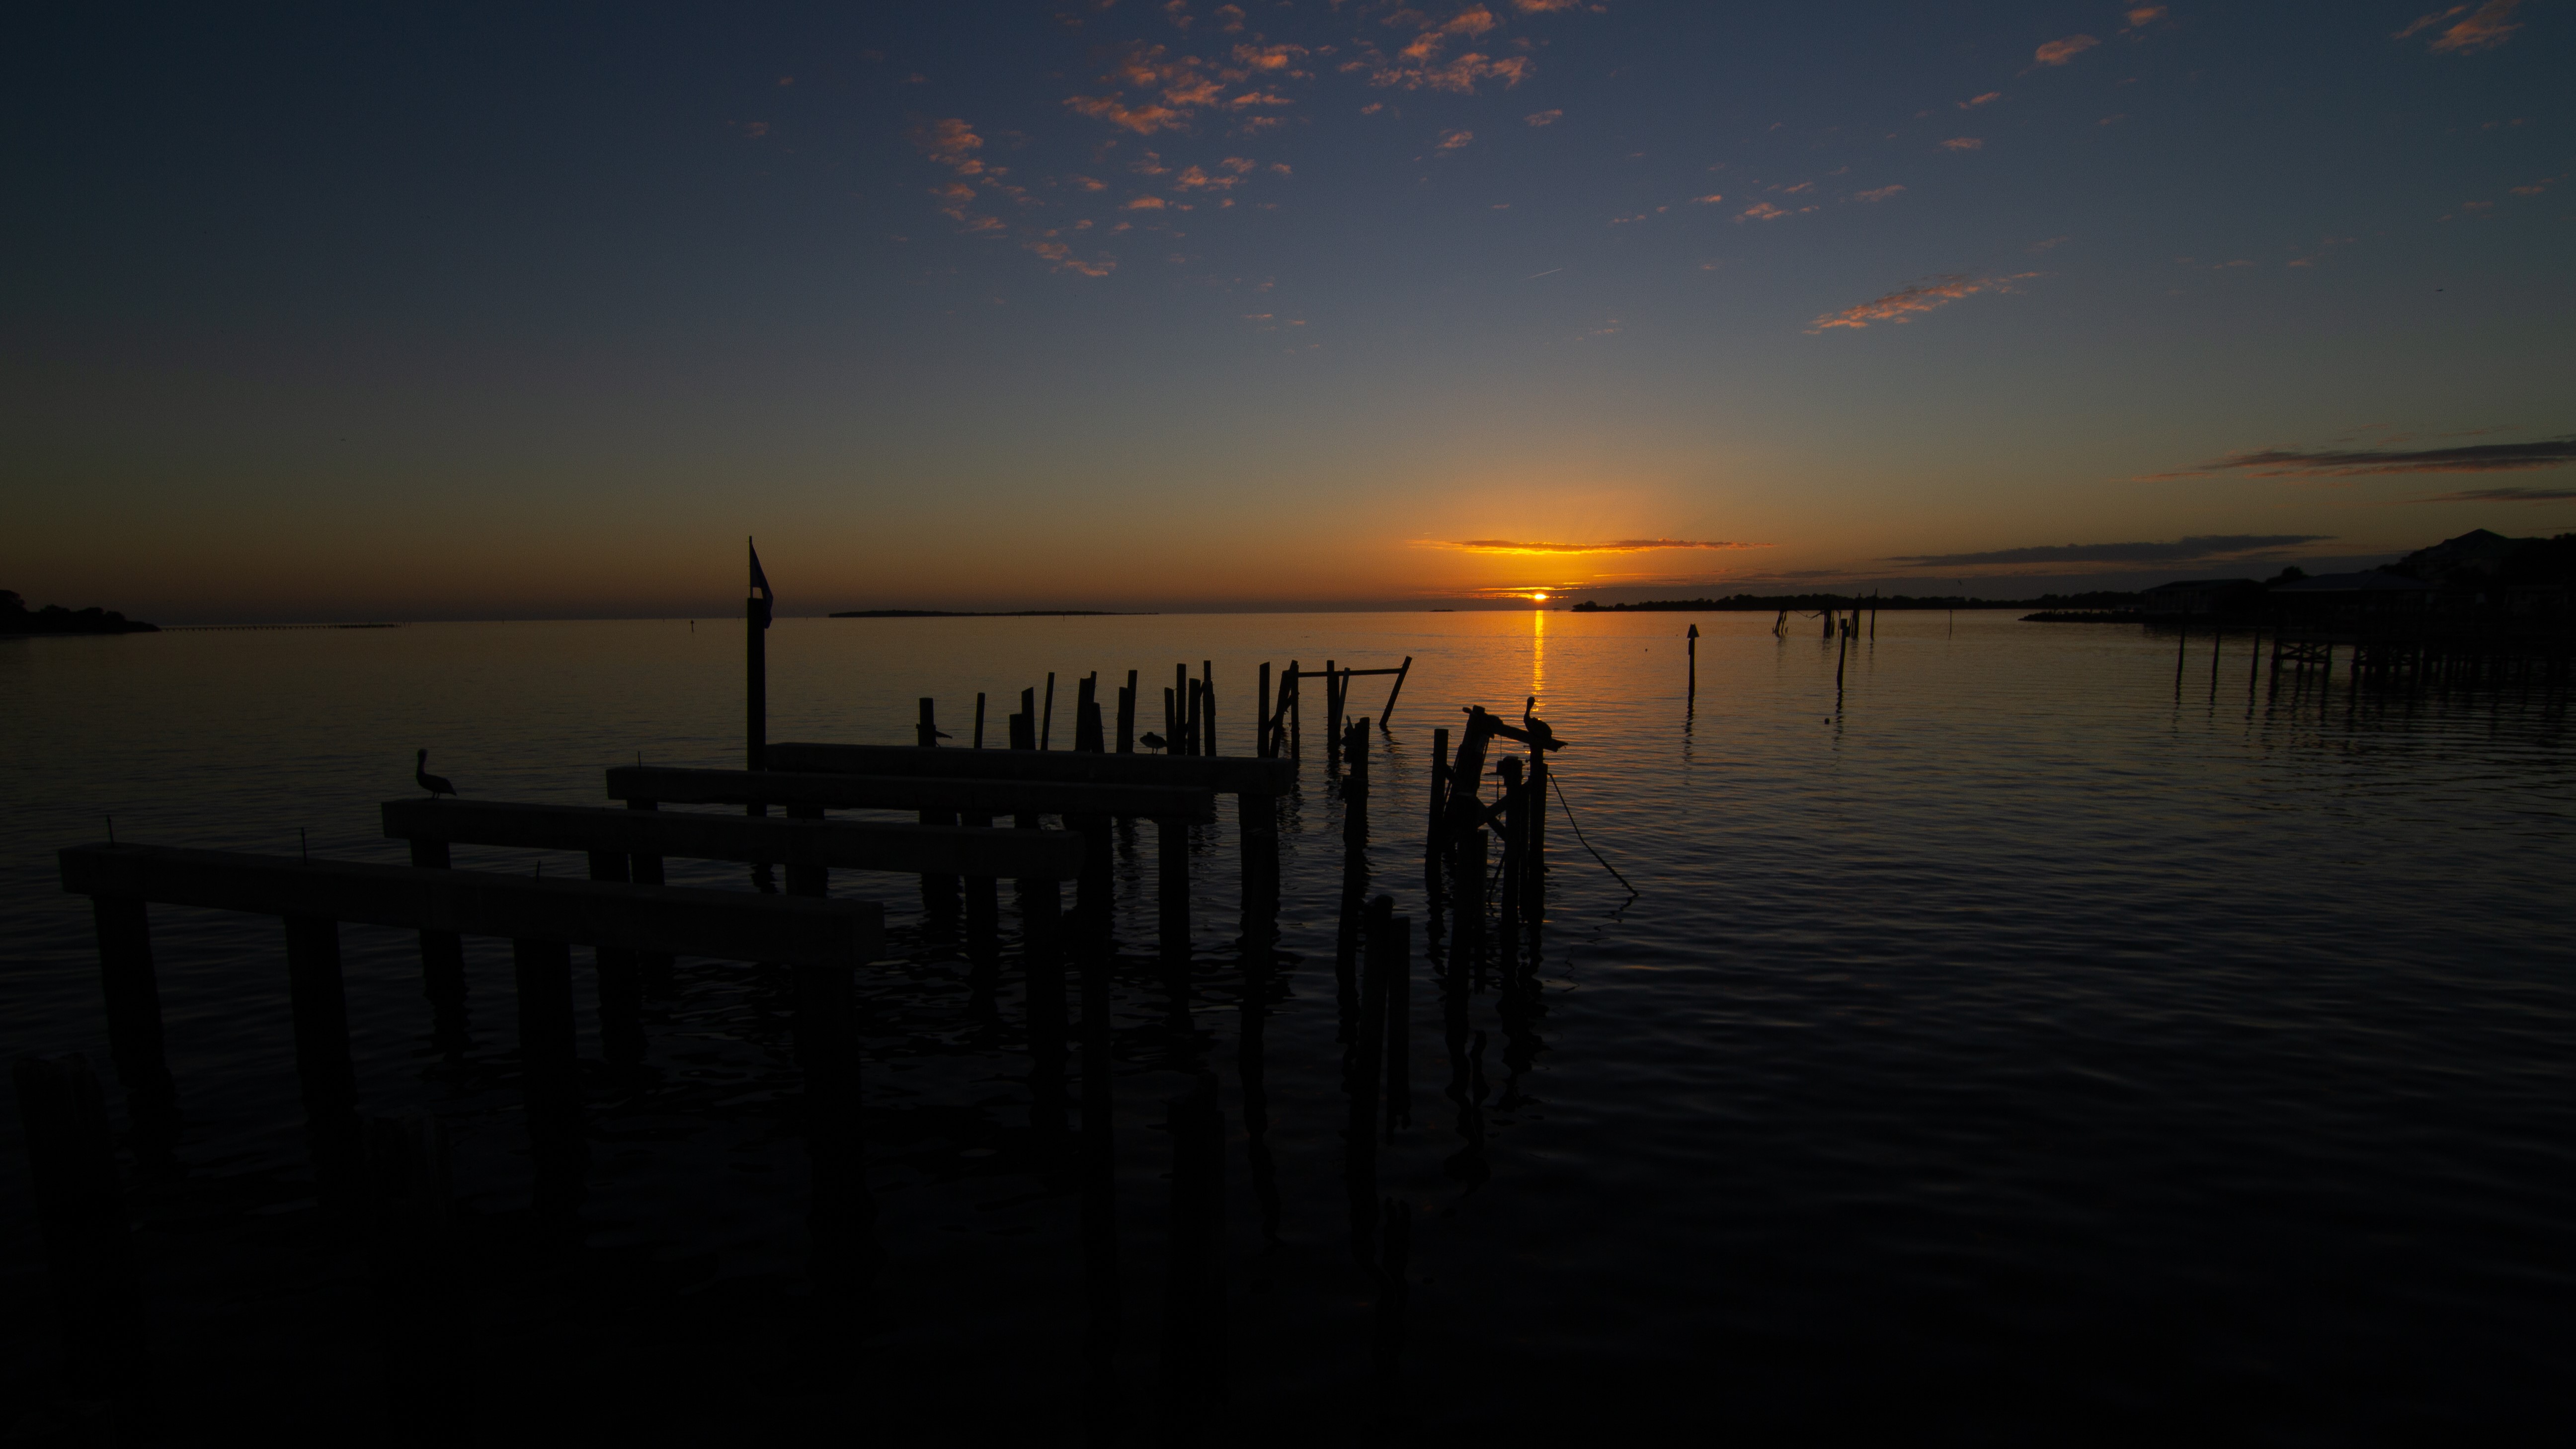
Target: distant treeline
pixel 17 618
pixel 1813 603
pixel 977 614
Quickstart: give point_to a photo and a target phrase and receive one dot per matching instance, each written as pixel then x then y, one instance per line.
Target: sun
pixel 1538 598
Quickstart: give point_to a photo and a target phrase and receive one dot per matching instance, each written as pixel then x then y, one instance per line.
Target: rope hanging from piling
pixel 1633 892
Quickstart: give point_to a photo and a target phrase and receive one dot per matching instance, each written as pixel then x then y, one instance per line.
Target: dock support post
pixel 621 991
pixel 1534 842
pixel 133 991
pixel 1194 1349
pixel 652 968
pixel 1172 891
pixel 71 1159
pixel 442 963
pixel 1332 715
pixel 319 1005
pixel 841 1213
pixel 1042 934
pixel 548 1074
pixel 1262 747
pixel 1294 683
pixel 1434 839
pixel 1127 716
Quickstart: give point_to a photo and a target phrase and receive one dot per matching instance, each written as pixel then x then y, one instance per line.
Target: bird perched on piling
pixel 1151 740
pixel 436 785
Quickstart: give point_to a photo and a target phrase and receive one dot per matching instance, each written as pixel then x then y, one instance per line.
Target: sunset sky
pixel 455 312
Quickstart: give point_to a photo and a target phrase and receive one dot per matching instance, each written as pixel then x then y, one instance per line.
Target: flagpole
pixel 755 619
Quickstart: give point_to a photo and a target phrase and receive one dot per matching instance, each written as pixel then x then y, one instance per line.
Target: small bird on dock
pixel 436 785
pixel 1151 740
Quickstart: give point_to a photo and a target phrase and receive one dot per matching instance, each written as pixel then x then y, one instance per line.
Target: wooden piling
pixel 1690 649
pixel 1332 716
pixel 1046 719
pixel 979 719
pixel 621 991
pixel 1534 841
pixel 1194 1327
pixel 1127 716
pixel 1395 946
pixel 1293 682
pixel 131 985
pixel 442 960
pixel 1207 706
pixel 318 1003
pixel 1401 672
pixel 71 1161
pixel 1434 833
pixel 1172 898
pixel 1262 745
pixel 2182 645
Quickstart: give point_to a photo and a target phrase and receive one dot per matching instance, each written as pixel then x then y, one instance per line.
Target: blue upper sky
pixel 457 310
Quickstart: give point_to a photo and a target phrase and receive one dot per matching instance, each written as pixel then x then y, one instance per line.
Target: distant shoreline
pixel 985 614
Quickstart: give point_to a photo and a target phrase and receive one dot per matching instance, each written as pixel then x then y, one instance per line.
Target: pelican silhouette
pixel 436 785
pixel 1151 740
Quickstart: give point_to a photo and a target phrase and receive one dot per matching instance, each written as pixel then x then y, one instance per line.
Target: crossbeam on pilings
pixel 1223 774
pixel 680 920
pixel 672 786
pixel 762 840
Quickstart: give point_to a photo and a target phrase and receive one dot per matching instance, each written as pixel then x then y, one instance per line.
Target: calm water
pixel 2010 1052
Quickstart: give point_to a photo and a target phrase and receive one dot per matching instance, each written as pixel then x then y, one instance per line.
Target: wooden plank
pixel 841 844
pixel 678 920
pixel 974 795
pixel 1223 774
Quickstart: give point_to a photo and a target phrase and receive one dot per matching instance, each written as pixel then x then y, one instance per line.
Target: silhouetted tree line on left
pixel 17 618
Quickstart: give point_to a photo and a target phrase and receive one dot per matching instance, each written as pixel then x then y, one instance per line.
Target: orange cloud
pixel 1269 58
pixel 1765 211
pixel 1963 143
pixel 2484 29
pixel 1544 118
pixel 1541 7
pixel 1711 199
pixel 1907 303
pixel 1143 120
pixel 1988 99
pixel 1061 257
pixel 2141 16
pixel 1452 140
pixel 1146 203
pixel 1881 194
pixel 2059 52
pixel 951 143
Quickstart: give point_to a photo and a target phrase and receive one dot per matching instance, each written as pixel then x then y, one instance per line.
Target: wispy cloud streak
pixel 1907 303
pixel 2364 462
pixel 2194 549
pixel 1616 545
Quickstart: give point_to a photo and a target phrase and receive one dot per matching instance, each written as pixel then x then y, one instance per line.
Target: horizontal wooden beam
pixel 672 920
pixel 840 844
pixel 880 792
pixel 1224 774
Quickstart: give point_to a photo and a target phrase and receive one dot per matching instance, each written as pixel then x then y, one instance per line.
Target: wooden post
pixel 1261 742
pixel 838 1217
pixel 1434 836
pixel 2182 644
pixel 938 892
pixel 546 1028
pixel 1127 716
pixel 1332 716
pixel 1257 818
pixel 1355 789
pixel 1180 736
pixel 1397 990
pixel 621 994
pixel 1171 724
pixel 1042 934
pixel 319 1005
pixel 1046 720
pixel 979 719
pixel 1172 891
pixel 755 621
pixel 1207 706
pixel 71 1160
pixel 652 967
pixel 1515 854
pixel 1691 652
pixel 1192 715
pixel 1294 683
pixel 548 1076
pixel 442 962
pixel 133 991
pixel 1086 714
pixel 2217 631
pixel 1194 1351
pixel 1401 672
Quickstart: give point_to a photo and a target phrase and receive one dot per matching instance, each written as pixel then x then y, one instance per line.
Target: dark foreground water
pixel 2013 1052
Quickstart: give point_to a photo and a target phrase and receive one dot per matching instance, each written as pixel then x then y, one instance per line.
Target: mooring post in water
pixel 1332 715
pixel 1435 831
pixel 1207 706
pixel 621 989
pixel 1391 946
pixel 938 892
pixel 1392 695
pixel 979 719
pixel 1690 650
pixel 654 967
pixel 71 1160
pixel 756 611
pixel 1514 854
pixel 2182 644
pixel 1293 685
pixel 1191 714
pixel 1086 716
pixel 1261 717
pixel 131 984
pixel 1127 716
pixel 1046 716
pixel 1355 788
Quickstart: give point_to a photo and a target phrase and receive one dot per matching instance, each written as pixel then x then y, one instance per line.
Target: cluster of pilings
pixel 389 1176
pixel 2391 660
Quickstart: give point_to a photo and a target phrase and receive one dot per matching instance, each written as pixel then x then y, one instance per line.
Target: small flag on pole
pixel 760 587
